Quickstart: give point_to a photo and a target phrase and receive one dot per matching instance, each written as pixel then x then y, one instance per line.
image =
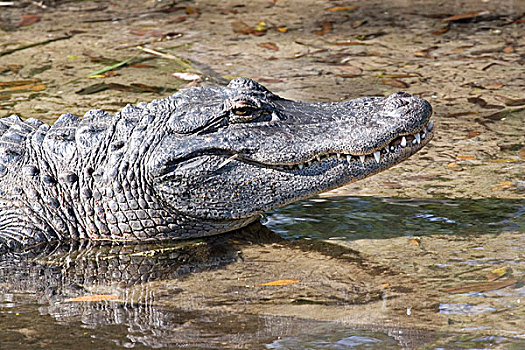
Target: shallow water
pixel 38 307
pixel 351 218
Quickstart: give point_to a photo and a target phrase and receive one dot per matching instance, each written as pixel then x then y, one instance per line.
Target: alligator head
pixel 232 153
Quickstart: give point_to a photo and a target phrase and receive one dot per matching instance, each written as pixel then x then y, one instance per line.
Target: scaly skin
pixel 198 163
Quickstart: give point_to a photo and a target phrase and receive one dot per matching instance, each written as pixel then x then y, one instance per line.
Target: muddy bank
pixel 465 57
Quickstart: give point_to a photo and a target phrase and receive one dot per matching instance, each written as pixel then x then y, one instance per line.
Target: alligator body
pixel 198 163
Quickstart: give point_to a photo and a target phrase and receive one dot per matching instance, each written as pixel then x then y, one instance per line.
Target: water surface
pixel 38 308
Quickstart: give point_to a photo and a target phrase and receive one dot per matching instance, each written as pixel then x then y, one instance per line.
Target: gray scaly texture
pixel 198 163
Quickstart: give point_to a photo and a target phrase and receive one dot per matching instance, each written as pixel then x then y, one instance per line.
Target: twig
pixel 104 70
pixel 184 65
pixel 110 68
pixel 146 42
pixel 23 47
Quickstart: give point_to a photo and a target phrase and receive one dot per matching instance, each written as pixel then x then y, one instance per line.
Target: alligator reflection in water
pixel 121 274
pixel 206 293
pixel 150 296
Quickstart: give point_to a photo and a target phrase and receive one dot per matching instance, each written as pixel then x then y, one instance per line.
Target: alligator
pixel 201 162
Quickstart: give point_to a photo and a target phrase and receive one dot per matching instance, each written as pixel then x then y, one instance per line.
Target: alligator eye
pixel 244 114
pixel 243 111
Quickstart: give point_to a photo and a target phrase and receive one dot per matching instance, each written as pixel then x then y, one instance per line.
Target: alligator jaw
pixel 389 154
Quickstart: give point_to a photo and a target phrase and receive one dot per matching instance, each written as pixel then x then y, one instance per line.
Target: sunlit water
pixel 32 315
pixel 350 218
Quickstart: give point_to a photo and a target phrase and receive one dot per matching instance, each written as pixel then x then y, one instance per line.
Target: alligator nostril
pixel 401 102
pixel 402 94
pixel 400 99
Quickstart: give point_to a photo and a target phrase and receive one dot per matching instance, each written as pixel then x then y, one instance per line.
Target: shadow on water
pixel 350 218
pixel 88 295
pixel 49 293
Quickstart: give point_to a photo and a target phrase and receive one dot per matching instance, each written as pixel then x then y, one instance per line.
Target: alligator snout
pixel 405 103
pixel 400 99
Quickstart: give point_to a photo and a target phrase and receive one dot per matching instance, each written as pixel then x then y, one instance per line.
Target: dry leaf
pixel 186 76
pixel 510 101
pixel 134 87
pixel 241 28
pixel 27 20
pixel 502 161
pixel 269 46
pixel 192 11
pixel 349 43
pixel 342 8
pixel 282 29
pixel 370 36
pixel 478 101
pixel 17 83
pixel 225 11
pixel 385 285
pixel 270 80
pixel 177 19
pixel 279 283
pixel 420 54
pixel 327 27
pixel 395 83
pixel 467 15
pixel 424 52
pixel 358 23
pixel 414 241
pixel 15 68
pixel 260 28
pixel 398 75
pixel 467 157
pixel 493 86
pixel 441 30
pixel 505 185
pixel 95 297
pixel 31 86
pixel 350 69
pixel 497 273
pixel 480 287
pixel 508 49
pixel 472 134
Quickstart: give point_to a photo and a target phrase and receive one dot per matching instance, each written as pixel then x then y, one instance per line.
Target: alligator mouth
pixel 386 155
pixel 406 145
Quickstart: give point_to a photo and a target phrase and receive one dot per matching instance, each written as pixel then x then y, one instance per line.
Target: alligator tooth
pixel 423 135
pixel 338 156
pixel 348 158
pixel 377 156
pixel 418 138
pixel 227 161
pixel 403 142
pixel 309 163
pixel 430 125
pixel 392 148
pixel 362 159
pixel 301 166
pixel 318 158
pixel 275 117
